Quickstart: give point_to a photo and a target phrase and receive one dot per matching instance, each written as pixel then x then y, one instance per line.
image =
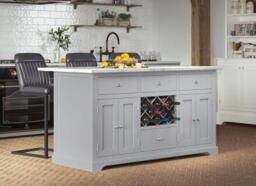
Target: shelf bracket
pixel 75 6
pixel 75 28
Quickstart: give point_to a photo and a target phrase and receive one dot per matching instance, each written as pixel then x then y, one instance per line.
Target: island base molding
pixel 131 158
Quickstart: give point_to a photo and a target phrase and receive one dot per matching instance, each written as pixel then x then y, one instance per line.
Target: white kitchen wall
pixel 217 30
pixel 166 28
pixel 24 28
pixel 172 29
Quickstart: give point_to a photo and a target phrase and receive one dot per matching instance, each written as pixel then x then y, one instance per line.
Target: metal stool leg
pixel 46 126
pixel 46 149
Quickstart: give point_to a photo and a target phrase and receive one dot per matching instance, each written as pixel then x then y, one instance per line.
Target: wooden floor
pixel 234 166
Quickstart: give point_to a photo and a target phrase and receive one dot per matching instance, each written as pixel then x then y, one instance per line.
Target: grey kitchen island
pixel 107 117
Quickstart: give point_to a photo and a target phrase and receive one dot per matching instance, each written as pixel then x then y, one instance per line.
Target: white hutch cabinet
pixel 237 91
pixel 236 80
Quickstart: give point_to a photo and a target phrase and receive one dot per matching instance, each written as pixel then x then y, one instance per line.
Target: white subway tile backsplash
pixel 25 28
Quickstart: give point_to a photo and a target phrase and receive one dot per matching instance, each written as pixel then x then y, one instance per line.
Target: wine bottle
pixel 176 103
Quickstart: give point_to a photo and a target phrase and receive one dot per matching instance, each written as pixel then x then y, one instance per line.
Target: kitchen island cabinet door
pixel 129 124
pixel 107 127
pixel 187 120
pixel 204 120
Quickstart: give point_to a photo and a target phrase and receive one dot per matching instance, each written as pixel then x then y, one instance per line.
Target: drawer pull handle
pixel 196 82
pixel 116 127
pixel 159 139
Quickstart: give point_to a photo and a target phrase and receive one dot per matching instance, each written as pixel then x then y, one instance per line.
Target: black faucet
pixel 107 45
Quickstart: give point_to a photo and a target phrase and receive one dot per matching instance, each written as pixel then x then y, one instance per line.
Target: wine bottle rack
pixel 159 110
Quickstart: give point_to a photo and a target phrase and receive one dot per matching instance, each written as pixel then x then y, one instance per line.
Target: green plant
pixel 124 17
pixel 61 37
pixel 108 14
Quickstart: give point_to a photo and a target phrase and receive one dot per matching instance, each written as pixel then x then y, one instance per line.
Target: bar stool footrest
pixel 26 152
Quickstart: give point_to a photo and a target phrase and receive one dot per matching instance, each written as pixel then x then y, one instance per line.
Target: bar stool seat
pixel 37 90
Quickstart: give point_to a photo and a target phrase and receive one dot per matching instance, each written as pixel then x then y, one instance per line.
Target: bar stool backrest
pixel 80 60
pixel 27 65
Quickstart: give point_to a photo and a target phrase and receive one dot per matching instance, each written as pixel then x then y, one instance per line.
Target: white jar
pixel 128 2
pixel 234 7
pixel 250 7
pixel 242 7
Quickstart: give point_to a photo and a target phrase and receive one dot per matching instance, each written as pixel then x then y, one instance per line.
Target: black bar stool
pixel 80 60
pixel 36 84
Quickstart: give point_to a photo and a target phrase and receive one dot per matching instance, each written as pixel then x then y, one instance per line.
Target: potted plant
pixel 124 19
pixel 108 18
pixel 61 39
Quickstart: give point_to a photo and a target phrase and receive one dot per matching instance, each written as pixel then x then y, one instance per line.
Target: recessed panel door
pixel 128 125
pixel 204 119
pixel 187 116
pixel 108 127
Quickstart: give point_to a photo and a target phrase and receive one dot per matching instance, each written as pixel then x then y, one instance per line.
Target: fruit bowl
pixel 122 61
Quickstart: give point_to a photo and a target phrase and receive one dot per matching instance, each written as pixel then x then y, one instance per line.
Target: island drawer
pixel 195 82
pixel 159 83
pixel 117 85
pixel 158 138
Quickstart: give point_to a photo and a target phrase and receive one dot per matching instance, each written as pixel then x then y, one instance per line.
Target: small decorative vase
pixel 234 7
pixel 242 7
pixel 128 2
pixel 124 22
pixel 108 21
pixel 57 54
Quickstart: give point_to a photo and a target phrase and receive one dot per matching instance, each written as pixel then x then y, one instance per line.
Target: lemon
pixel 104 64
pixel 117 59
pixel 125 56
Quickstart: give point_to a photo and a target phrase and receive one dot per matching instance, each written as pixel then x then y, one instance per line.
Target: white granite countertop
pixel 94 70
pixel 153 63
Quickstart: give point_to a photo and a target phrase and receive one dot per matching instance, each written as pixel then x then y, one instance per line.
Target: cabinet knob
pixel 196 82
pixel 116 127
pixel 159 83
pixel 194 120
pixel 198 120
pixel 159 139
pixel 118 85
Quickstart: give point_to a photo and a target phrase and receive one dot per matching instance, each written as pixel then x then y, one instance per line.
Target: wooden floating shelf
pixel 35 2
pixel 128 7
pixel 128 28
pixel 75 3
